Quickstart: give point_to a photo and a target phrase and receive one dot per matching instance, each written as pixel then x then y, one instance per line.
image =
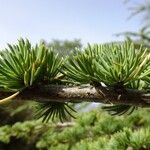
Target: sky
pixel 92 21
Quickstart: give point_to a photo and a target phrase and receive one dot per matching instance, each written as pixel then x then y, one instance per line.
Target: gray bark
pixel 75 94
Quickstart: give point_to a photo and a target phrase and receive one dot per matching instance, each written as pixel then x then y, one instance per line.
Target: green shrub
pixel 90 131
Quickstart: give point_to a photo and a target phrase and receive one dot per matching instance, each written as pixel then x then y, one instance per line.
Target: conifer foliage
pixel 95 130
pixel 120 66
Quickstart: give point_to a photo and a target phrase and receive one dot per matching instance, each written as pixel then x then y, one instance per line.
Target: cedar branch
pixel 100 94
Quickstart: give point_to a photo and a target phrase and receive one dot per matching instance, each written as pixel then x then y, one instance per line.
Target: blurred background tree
pixel 142 11
pixel 64 47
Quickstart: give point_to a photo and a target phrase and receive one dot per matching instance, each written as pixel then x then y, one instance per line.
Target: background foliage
pixel 91 130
